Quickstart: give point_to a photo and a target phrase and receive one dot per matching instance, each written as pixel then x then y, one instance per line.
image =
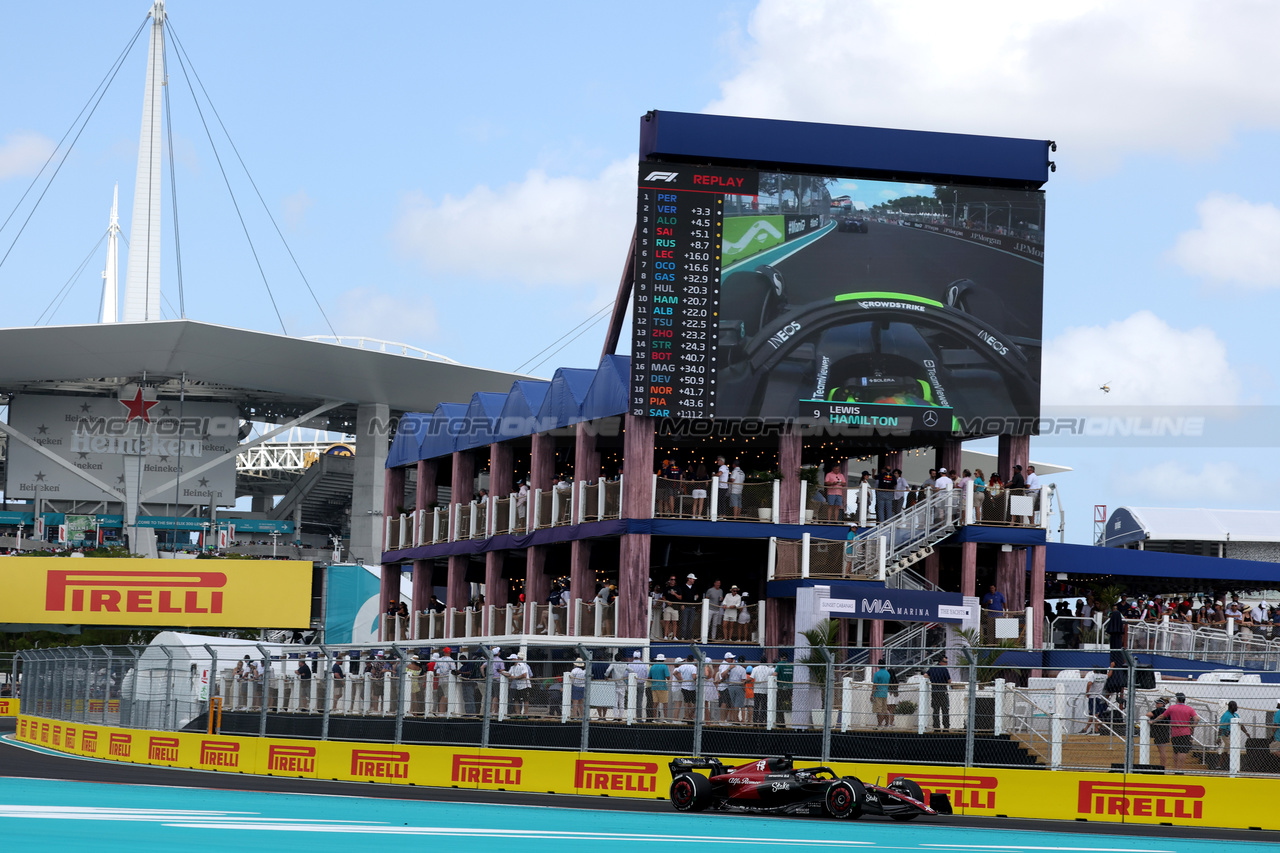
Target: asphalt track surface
pixel 909 260
pixel 153 801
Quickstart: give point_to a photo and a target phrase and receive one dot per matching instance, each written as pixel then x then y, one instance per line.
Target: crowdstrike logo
pixel 662 176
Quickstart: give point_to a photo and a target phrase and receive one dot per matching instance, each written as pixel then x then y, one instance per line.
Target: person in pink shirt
pixel 1181 718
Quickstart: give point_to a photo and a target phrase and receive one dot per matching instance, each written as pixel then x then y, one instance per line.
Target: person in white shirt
pixel 1033 481
pixel 640 669
pixel 736 678
pixel 760 674
pixel 443 669
pixel 519 679
pixel 731 603
pixel 736 480
pixel 688 674
pixel 722 484
pixel 900 489
pixel 943 482
pixel 577 685
pixel 617 673
pixel 522 501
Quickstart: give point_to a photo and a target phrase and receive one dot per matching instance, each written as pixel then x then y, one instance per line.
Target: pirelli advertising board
pixel 1057 795
pixel 187 593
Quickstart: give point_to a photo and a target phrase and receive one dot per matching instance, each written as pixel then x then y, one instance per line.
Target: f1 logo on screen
pixel 662 176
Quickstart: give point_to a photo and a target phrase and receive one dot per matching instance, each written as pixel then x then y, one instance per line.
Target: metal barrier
pixel 972 709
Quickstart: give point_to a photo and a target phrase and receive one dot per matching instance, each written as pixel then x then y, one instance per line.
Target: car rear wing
pixel 682 765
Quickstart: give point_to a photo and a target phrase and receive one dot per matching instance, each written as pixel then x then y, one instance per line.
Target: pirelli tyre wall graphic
pixel 1105 797
pixel 197 593
pixel 8 707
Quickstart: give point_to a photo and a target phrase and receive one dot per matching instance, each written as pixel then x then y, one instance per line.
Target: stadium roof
pixel 270 375
pixel 1132 524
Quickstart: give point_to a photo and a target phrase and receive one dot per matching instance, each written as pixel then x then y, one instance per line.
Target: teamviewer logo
pixel 662 176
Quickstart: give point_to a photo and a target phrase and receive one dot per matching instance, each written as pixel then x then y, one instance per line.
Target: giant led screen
pixel 836 300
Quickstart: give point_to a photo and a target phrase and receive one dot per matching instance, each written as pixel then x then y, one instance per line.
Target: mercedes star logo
pixel 930 419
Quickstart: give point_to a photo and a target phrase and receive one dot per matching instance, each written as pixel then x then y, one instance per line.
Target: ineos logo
pixel 778 338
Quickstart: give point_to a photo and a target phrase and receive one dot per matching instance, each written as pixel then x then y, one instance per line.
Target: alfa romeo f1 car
pixel 775 786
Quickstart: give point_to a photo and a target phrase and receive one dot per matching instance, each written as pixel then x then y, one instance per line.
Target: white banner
pixel 103 435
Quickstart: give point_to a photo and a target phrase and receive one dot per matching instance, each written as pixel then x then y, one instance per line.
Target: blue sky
pixel 461 177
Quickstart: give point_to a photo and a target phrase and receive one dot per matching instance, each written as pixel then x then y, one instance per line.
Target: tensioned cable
pixel 566 343
pixel 74 122
pixel 252 182
pixel 227 181
pixel 562 337
pixel 173 185
pixel 34 207
pixel 67 286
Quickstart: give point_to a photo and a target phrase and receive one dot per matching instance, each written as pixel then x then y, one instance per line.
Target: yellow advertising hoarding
pixel 8 707
pixel 1058 795
pixel 188 593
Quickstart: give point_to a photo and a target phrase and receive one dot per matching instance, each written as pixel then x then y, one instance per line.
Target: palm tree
pixel 822 635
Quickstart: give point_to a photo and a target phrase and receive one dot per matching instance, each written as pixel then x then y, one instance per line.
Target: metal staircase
pixel 908 537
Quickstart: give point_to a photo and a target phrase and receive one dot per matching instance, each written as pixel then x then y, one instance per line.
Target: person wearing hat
pixel 659 693
pixel 732 601
pixel 519 680
pixel 1159 725
pixel 414 671
pixel 691 613
pixel 1182 717
pixel 687 673
pixel 446 670
pixel 493 669
pixel 577 685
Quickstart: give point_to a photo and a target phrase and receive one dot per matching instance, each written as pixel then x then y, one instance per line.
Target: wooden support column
pixel 1013 450
pixel 392 500
pixel 931 565
pixel 462 487
pixel 390 587
pixel 542 465
pixel 1011 568
pixel 497 589
pixel 425 493
pixel 586 466
pixel 779 623
pixel 877 640
pixel 1036 579
pixel 789 445
pixel 634 548
pixel 947 455
pixel 968 568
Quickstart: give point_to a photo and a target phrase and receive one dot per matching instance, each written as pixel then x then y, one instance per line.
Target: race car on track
pixel 852 224
pixel 775 786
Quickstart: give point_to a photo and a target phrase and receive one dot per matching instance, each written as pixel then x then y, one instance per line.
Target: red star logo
pixel 139 408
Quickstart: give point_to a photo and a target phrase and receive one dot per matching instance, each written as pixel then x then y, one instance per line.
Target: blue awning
pixel 1094 560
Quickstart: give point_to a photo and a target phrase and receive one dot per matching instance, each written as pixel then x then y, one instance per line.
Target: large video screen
pixel 836 300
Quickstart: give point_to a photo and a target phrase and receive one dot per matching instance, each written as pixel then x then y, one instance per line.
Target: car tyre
pixel 690 792
pixel 912 789
pixel 843 799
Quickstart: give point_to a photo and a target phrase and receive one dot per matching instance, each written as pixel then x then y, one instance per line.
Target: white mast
pixel 111 274
pixel 142 283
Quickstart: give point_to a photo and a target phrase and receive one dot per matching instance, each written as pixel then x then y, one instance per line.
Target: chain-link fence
pixel 929 704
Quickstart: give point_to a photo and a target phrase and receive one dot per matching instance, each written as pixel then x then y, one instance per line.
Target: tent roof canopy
pixel 1131 524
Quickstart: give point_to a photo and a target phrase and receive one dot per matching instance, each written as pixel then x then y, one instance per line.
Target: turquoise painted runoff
pixel 53 815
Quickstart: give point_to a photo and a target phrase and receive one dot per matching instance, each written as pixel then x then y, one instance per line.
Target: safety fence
pixel 960 706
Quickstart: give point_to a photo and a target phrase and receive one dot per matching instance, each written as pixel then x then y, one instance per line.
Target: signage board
pixel 899 605
pixel 906 308
pixel 105 438
pixel 111 591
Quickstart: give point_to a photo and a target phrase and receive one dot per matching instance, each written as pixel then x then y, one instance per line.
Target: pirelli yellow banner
pixel 1058 795
pixel 182 593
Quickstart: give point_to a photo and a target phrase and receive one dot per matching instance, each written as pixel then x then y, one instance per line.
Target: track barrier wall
pixel 1239 803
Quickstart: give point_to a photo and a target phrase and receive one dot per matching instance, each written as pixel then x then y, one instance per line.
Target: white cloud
pixel 1237 243
pixel 1173 482
pixel 374 313
pixel 296 207
pixel 22 154
pixel 1144 361
pixel 543 230
pixel 1102 78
